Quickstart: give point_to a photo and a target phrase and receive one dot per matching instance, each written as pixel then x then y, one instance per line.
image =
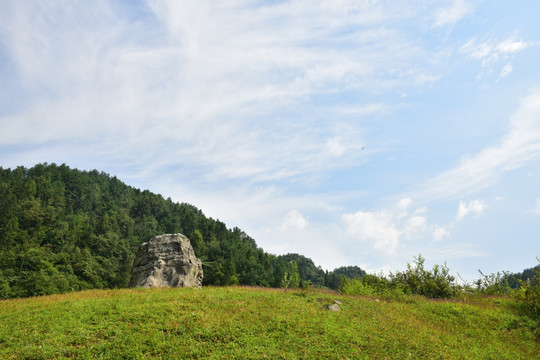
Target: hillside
pixel 63 229
pixel 255 323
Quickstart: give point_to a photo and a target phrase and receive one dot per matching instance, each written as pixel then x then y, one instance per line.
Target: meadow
pixel 258 323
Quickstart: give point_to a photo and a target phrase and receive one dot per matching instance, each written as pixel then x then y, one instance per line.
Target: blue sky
pixel 353 132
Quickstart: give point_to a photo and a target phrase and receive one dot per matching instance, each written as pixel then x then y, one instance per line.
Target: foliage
pixel 295 275
pixel 255 323
pixel 291 278
pixel 350 272
pixel 493 284
pixel 63 230
pixel 434 283
pixel 355 287
pixel 530 294
pixel 285 283
pixel 416 280
pixel 370 285
pixel 308 272
pixel 515 280
pixel 524 287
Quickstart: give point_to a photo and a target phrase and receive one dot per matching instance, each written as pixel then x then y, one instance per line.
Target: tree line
pixel 64 229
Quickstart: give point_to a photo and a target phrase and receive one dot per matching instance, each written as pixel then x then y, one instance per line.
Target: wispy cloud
pixel 461 250
pixel 505 71
pixel 518 147
pixel 489 52
pixel 448 16
pixel 195 85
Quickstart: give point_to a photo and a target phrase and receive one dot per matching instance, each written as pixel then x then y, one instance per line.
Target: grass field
pixel 254 323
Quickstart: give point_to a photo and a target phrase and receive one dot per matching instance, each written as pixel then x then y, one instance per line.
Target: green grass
pixel 253 323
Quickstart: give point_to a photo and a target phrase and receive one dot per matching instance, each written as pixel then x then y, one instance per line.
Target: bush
pixel 416 280
pixel 435 283
pixel 379 284
pixel 355 287
pixel 370 285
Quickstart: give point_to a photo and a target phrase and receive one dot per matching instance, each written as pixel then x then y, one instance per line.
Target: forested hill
pixel 63 229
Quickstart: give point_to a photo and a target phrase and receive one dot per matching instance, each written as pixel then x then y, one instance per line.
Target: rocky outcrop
pixel 166 261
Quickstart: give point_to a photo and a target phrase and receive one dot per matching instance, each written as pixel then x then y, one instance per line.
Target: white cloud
pixel 448 16
pixel 335 147
pixel 384 230
pixel 518 147
pixel 440 233
pixel 404 203
pixel 376 228
pixel 361 110
pixel 402 206
pixel 414 224
pixel 475 207
pixel 505 71
pixel 293 220
pixel 511 46
pixel 490 52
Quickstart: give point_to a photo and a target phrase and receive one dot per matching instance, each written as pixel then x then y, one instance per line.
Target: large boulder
pixel 166 261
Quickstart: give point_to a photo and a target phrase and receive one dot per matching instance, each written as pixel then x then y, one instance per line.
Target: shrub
pixel 355 287
pixel 416 280
pixel 435 283
pixel 370 285
pixel 379 284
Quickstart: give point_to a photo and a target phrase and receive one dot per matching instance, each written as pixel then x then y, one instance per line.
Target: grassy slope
pixel 258 323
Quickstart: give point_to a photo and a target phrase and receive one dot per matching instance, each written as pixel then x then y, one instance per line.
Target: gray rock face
pixel 166 261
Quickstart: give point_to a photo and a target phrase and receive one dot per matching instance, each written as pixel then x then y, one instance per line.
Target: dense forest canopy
pixel 63 229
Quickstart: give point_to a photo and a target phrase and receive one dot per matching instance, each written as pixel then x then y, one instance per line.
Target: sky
pixel 352 132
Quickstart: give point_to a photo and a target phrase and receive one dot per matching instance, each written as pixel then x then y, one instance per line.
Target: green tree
pixel 295 276
pixel 198 244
